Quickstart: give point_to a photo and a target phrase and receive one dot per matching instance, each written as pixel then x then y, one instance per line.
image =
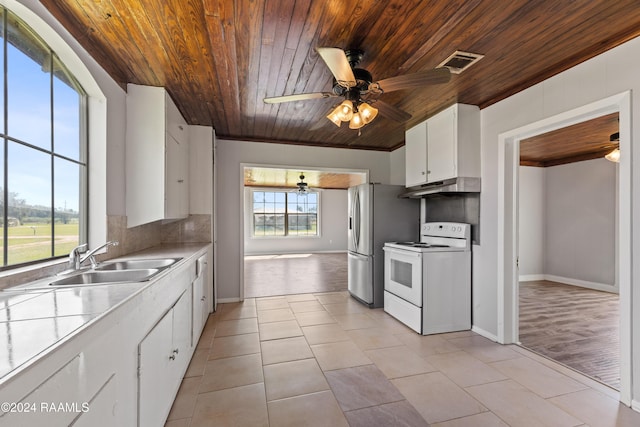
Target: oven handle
pixel 402 252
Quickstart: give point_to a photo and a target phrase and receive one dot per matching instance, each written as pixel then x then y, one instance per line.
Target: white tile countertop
pixel 35 318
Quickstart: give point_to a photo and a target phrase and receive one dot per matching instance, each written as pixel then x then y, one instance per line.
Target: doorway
pixel 508 275
pixel 295 241
pixel 568 294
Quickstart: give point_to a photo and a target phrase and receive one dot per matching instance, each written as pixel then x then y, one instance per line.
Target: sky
pixel 29 120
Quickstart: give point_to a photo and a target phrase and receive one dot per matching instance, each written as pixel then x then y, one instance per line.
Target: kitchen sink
pixel 136 264
pixel 109 276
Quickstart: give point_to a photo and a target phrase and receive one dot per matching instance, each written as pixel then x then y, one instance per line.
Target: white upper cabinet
pixel 445 146
pixel 157 157
pixel 416 155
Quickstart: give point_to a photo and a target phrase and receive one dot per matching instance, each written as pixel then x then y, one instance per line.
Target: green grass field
pixel 33 242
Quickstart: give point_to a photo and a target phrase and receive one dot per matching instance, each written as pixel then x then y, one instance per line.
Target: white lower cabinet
pixel 90 379
pixel 200 303
pixel 101 408
pixel 68 395
pixel 163 357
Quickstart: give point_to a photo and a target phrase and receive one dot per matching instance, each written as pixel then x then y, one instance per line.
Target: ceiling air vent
pixel 460 61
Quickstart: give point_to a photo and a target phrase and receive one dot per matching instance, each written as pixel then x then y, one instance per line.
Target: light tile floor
pixel 326 360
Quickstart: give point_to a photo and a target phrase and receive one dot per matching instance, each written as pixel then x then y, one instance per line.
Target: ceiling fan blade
pixel 298 97
pixel 392 112
pixel 339 65
pixel 415 80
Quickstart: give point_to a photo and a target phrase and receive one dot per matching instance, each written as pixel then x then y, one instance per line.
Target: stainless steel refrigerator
pixel 376 216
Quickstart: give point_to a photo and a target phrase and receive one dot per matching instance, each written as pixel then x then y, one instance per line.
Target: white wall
pixel 580 223
pixel 567 224
pixel 531 223
pixel 398 163
pixel 231 154
pixel 608 74
pixel 333 229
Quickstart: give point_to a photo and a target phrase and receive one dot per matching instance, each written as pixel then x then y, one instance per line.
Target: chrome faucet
pixel 74 257
pixel 75 260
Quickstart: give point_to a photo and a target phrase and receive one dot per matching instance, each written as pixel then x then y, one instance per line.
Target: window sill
pixel 21 275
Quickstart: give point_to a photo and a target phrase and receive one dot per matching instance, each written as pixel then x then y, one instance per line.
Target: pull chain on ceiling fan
pixel 357 86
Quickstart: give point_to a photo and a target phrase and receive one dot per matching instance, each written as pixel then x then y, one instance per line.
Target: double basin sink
pixel 133 270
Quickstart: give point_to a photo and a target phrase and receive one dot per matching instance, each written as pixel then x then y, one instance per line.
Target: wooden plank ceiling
pixel 219 59
pixel 289 178
pixel 588 140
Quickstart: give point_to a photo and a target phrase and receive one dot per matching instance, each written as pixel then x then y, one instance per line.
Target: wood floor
pixel 272 275
pixel 574 326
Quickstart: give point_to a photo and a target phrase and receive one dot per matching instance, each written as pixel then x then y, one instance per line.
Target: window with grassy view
pixel 282 213
pixel 43 157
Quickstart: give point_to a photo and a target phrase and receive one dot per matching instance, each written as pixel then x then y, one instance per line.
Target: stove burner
pixel 421 245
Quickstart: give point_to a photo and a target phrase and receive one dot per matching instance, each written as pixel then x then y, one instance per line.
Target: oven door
pixel 403 274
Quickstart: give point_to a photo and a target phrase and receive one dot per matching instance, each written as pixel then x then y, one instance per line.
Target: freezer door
pixel 360 277
pixel 359 233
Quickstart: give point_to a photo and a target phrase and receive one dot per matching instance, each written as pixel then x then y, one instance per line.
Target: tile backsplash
pixel 193 229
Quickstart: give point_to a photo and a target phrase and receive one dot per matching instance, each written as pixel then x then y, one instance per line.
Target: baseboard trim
pixel 484 333
pixel 583 283
pixel 531 277
pixel 635 405
pixel 275 253
pixel 227 300
pixel 569 281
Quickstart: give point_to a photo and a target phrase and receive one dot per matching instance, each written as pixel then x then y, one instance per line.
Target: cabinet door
pixel 205 292
pixel 176 193
pixel 156 391
pixel 101 411
pixel 181 336
pixel 416 155
pixel 200 311
pixel 442 149
pixel 176 124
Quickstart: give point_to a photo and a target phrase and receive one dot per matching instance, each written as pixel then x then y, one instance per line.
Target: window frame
pixel 6 139
pixel 286 191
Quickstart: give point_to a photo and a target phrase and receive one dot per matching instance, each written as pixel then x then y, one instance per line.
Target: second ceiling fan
pixel 356 85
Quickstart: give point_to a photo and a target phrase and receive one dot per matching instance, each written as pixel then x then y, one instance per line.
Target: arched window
pixel 43 153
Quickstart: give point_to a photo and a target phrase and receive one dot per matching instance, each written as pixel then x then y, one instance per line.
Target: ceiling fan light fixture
pixel 334 117
pixel 344 111
pixel 367 112
pixel 356 121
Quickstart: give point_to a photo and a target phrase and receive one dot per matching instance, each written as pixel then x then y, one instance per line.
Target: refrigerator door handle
pixel 356 213
pixel 358 256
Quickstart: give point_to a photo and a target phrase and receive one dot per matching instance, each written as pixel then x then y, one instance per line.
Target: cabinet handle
pixel 180 181
pixel 176 351
pixel 422 173
pixel 202 299
pixel 428 171
pixel 172 357
pixel 181 127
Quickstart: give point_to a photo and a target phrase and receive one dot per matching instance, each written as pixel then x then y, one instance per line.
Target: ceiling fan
pixel 357 87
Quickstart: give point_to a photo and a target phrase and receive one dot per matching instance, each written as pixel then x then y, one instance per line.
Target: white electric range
pixel 428 283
